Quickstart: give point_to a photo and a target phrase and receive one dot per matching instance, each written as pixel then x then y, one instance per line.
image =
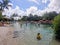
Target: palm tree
pixel 4 4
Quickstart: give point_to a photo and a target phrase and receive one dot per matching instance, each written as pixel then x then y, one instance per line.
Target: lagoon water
pixel 26 33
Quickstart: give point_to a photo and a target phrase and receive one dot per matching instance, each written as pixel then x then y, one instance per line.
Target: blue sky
pixel 24 4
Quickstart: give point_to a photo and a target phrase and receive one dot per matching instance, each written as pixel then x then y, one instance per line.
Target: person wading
pixel 38 36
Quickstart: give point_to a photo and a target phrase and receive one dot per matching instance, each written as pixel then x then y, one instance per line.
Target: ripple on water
pixel 27 34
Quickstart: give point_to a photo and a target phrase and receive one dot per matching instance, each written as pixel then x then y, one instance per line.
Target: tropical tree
pixel 1 16
pixel 4 4
pixel 24 18
pixel 50 15
pixel 30 17
pixel 56 26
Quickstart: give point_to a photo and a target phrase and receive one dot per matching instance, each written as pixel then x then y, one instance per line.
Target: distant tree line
pixel 45 16
pixel 31 18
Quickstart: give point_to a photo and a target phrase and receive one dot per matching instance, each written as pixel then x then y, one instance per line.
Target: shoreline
pixel 6 37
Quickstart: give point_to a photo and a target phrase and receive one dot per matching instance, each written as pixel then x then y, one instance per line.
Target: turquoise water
pixel 27 32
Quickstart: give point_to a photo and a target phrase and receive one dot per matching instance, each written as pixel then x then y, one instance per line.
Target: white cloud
pixel 53 6
pixel 35 1
pixel 10 4
pixel 32 10
pixel 8 12
pixel 44 1
pixel 35 11
pixel 11 11
pixel 18 11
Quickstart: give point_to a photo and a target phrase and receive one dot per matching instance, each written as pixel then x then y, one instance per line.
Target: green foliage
pixel 50 15
pixel 56 26
pixel 24 18
pixel 1 16
pixel 56 22
pixel 31 18
pixel 4 4
pixel 14 15
pixel 46 16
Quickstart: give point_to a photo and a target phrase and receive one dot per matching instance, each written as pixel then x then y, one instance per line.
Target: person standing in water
pixel 38 36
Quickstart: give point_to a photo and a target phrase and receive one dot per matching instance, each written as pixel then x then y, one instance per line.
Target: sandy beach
pixel 6 34
pixel 6 37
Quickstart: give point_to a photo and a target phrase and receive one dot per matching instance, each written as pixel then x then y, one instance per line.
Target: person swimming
pixel 38 36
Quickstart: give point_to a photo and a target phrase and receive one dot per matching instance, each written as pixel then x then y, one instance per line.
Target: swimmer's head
pixel 38 33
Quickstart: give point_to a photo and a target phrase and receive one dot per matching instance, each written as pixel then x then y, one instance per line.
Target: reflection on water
pixel 27 32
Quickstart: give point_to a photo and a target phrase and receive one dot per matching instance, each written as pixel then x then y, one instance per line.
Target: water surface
pixel 27 32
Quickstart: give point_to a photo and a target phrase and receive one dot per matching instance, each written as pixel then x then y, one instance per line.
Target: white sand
pixel 6 35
